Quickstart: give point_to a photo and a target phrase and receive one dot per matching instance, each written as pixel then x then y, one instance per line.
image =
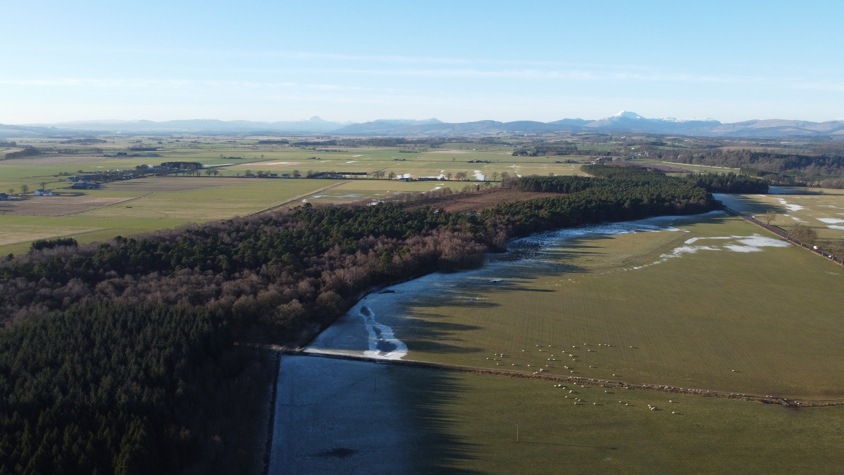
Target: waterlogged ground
pixel 819 209
pixel 704 302
pixel 367 329
pixel 337 416
pixel 707 302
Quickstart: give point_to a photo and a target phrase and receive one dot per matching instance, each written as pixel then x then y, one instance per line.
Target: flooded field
pixel 702 302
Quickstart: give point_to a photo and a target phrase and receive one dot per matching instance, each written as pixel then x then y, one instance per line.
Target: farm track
pixel 297 198
pixel 792 403
pixel 108 205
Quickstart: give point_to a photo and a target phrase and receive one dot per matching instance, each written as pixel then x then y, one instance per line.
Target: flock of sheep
pixel 557 354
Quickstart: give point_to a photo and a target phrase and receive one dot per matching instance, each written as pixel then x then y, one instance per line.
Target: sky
pixel 456 60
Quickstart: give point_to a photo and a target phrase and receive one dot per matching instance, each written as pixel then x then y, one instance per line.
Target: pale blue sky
pixel 454 60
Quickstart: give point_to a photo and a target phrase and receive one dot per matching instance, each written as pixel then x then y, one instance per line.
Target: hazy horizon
pixel 454 61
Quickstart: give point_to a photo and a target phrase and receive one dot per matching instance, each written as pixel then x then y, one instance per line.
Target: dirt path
pixel 299 198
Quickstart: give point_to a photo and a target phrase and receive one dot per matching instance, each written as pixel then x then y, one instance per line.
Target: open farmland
pixel 595 349
pixel 435 421
pixel 709 304
pixel 222 190
pixel 819 209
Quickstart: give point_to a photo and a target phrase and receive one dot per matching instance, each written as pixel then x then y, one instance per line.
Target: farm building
pixel 44 193
pixel 4 196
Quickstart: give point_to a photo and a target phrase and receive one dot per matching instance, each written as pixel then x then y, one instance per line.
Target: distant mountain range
pixel 622 122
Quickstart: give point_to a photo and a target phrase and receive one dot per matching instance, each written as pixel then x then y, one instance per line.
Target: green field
pixel 712 303
pixel 436 421
pixel 683 308
pixel 152 203
pixel 819 209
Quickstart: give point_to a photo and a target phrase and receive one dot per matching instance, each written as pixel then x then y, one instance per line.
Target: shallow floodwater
pixel 368 328
pixel 338 416
pixel 347 417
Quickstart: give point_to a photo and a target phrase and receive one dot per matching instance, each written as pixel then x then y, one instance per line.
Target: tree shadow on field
pixel 340 416
pixel 432 333
pixel 430 395
pixel 749 206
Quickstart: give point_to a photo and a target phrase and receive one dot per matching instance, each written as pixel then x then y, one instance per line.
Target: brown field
pixel 61 205
pixel 479 200
pixel 755 148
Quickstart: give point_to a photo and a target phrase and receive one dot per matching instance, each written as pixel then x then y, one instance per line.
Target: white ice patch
pixel 352 161
pixel 479 176
pixel 382 341
pixel 831 220
pixel 839 228
pixel 791 207
pixel 555 238
pixel 753 243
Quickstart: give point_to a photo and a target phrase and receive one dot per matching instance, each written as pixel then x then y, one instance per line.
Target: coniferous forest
pixel 134 355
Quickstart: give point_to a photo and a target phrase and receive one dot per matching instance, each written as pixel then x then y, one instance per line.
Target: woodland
pixel 141 354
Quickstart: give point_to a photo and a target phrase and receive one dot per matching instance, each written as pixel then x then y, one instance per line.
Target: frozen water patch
pixel 382 341
pixel 838 228
pixel 790 207
pixel 754 243
pixel 831 220
pixel 551 239
pixel 479 176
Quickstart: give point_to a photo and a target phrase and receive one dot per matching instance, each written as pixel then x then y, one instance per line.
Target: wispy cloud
pixel 172 84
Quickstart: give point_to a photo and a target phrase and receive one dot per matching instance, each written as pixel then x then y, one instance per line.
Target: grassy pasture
pixel 144 205
pixel 763 323
pixel 439 421
pixel 129 207
pixel 819 209
pixel 706 435
pixel 17 232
